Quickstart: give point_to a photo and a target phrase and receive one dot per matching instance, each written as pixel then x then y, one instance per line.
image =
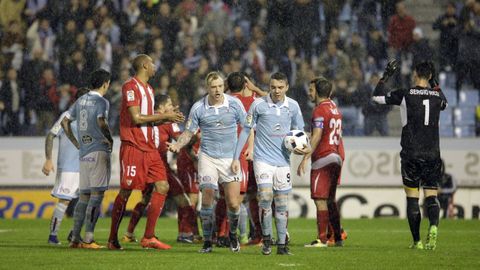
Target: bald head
pixel 139 62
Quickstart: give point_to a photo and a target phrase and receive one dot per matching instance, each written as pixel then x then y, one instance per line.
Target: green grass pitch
pixel 371 244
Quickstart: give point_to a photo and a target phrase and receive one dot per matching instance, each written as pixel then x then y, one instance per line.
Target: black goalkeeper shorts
pixel 419 172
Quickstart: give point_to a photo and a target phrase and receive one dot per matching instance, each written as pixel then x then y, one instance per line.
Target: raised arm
pixel 242 139
pixel 254 88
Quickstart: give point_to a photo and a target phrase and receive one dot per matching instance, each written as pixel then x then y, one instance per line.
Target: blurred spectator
pixel 210 46
pixel 334 64
pixel 446 24
pixel 169 25
pixel 11 11
pixel 12 45
pixel 468 60
pixel 254 61
pixel 35 7
pixel 356 50
pixel 148 8
pixel 289 64
pixel 332 9
pixel 420 48
pixel 104 52
pixel 235 45
pixel 10 102
pixel 66 40
pixel 32 71
pixel 216 18
pixel 90 31
pixel 40 35
pixel 343 96
pixel 375 115
pixel 75 71
pixel 112 31
pixel 305 16
pixel 377 48
pixel 66 97
pixel 45 103
pixel 400 29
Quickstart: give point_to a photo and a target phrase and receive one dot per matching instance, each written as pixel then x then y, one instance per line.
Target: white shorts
pixel 272 176
pixel 95 170
pixel 66 185
pixel 214 171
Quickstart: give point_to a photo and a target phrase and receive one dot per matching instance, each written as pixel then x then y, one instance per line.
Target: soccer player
pixel 140 162
pixel 273 117
pixel 327 159
pixel 163 134
pixel 67 177
pixel 242 88
pixel 217 115
pixel 421 165
pixel 95 145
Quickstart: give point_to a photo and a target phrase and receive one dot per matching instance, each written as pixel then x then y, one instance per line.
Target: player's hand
pixel 176 117
pixel 249 154
pixel 390 69
pixel 48 167
pixel 301 167
pixel 173 147
pixel 305 150
pixel 235 166
pixel 433 81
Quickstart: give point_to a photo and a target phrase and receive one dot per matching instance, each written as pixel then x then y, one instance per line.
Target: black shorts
pixel 419 172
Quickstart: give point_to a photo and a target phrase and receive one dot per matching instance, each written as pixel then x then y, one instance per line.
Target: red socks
pixel 117 215
pixel 322 225
pixel 136 215
pixel 156 205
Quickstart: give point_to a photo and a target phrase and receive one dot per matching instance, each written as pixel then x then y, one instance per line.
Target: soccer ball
pixel 296 139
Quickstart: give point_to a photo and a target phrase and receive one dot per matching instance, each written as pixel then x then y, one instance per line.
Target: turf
pixel 371 244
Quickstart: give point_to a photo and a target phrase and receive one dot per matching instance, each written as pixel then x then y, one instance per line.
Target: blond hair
pixel 212 76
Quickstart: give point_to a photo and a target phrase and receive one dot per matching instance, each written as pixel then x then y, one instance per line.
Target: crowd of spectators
pixel 49 47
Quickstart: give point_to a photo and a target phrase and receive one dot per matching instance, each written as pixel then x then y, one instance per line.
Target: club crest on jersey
pixel 129 182
pixel 130 95
pixel 249 119
pixel 188 124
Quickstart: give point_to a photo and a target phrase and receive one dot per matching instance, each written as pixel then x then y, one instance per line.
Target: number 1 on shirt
pixel 426 103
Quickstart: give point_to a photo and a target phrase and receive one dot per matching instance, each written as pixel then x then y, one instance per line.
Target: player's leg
pixel 318 181
pixel 242 223
pixel 334 213
pixel 232 192
pixel 264 178
pixel 137 213
pixel 99 179
pixel 185 233
pixel 81 207
pixel 192 218
pixel 208 178
pixel 253 208
pixel 56 220
pixel 432 205
pixel 157 175
pixel 243 218
pixel 131 177
pixel 411 187
pixel 282 186
pixel 65 189
pixel 221 220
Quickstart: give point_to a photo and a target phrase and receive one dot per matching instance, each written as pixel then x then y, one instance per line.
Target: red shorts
pixel 324 181
pixel 187 174
pixel 138 168
pixel 252 182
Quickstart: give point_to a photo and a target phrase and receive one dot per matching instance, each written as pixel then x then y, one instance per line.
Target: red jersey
pixel 135 93
pixel 165 133
pixel 329 118
pixel 246 101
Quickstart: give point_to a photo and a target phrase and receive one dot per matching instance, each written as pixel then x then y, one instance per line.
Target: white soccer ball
pixel 296 139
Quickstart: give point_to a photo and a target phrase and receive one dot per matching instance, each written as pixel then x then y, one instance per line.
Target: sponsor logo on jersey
pixel 130 95
pixel 189 123
pixel 86 139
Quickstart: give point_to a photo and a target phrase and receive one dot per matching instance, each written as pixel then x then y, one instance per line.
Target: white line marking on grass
pixel 289 264
pixel 5 231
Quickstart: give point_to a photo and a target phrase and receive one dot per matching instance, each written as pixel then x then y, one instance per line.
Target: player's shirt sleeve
pixel 175 130
pixel 297 118
pixel 57 129
pixel 382 96
pixel 131 95
pixel 193 118
pixel 252 115
pixel 72 112
pixel 318 119
pixel 103 108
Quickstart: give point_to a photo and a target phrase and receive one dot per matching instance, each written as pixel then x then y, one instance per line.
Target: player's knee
pixel 265 198
pixel 162 187
pixel 323 204
pixel 125 193
pixel 281 203
pixel 432 201
pixel 233 205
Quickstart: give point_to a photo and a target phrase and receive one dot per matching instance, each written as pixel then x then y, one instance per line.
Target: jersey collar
pixel 94 93
pixel 224 104
pixel 272 104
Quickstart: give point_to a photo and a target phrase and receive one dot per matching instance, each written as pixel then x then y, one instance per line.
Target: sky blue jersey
pixel 218 125
pixel 272 121
pixel 86 110
pixel 68 159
